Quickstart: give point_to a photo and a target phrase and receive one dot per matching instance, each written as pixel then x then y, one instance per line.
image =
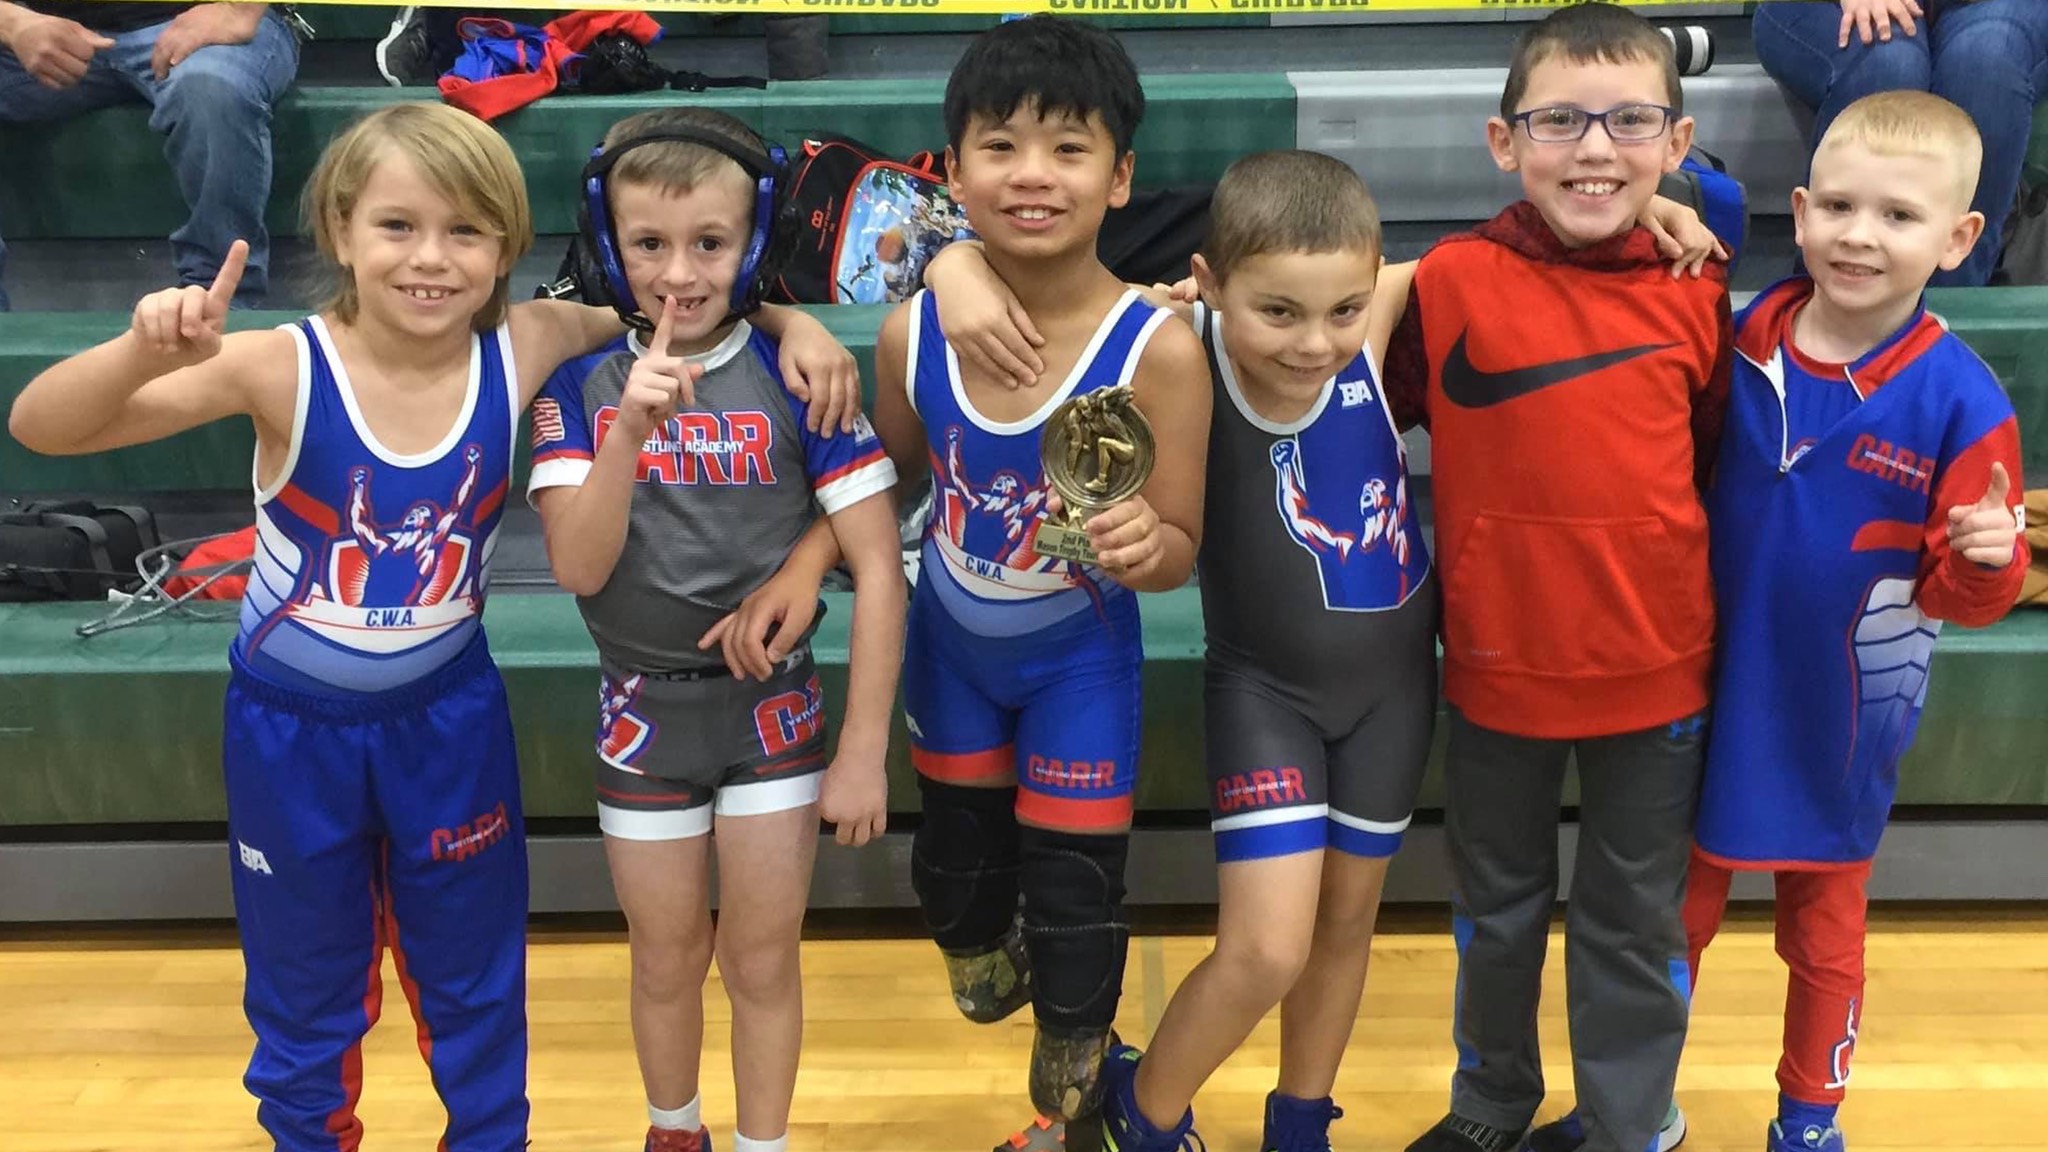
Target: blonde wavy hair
pixel 461 157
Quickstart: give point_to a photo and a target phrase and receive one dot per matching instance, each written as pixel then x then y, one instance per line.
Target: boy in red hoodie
pixel 1573 389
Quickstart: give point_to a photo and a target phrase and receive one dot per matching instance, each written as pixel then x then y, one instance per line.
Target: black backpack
pixel 870 223
pixel 72 550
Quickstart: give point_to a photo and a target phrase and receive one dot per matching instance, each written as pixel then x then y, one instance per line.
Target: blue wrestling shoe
pixel 1124 1128
pixel 1295 1125
pixel 1811 1138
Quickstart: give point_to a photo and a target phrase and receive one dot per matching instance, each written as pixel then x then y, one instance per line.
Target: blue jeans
pixel 214 112
pixel 1988 57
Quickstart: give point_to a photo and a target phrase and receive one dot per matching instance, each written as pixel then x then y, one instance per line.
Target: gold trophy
pixel 1097 450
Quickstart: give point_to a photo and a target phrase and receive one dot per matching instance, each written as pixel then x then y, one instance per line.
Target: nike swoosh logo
pixel 1470 387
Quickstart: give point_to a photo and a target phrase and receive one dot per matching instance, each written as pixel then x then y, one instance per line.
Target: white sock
pixel 749 1144
pixel 684 1119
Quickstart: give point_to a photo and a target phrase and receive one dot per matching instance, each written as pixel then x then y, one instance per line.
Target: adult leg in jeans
pixel 1627 986
pixel 1795 41
pixel 25 100
pixel 214 110
pixel 1991 59
pixel 1501 811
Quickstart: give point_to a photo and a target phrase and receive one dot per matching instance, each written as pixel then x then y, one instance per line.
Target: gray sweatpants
pixel 1626 984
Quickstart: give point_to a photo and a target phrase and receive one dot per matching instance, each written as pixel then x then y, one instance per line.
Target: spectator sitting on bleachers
pixel 211 73
pixel 1989 57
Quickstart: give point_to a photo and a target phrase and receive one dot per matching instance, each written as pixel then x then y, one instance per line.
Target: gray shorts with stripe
pixel 676 748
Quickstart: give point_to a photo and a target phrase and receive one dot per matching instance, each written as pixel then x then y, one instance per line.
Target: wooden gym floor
pixel 133 1039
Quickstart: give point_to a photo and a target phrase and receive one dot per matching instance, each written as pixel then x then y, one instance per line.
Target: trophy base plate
pixel 1062 542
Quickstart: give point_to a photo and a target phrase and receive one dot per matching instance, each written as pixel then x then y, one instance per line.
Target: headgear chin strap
pixel 600 274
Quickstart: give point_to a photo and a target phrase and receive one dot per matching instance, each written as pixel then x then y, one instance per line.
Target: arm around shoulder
pixel 1389 305
pixel 1174 392
pixel 1404 369
pixel 545 333
pixel 896 421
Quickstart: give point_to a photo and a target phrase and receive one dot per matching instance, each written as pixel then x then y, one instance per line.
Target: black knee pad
pixel 964 864
pixel 1074 927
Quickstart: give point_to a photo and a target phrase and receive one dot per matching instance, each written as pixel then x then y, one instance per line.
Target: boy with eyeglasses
pixel 1574 391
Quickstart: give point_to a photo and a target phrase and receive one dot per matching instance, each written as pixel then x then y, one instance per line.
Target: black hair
pixel 1058 64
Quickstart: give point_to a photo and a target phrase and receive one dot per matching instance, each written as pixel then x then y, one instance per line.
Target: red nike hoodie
pixel 1574 399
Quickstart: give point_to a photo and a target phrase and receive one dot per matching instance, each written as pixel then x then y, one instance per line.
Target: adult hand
pixel 56 52
pixel 1873 19
pixel 200 26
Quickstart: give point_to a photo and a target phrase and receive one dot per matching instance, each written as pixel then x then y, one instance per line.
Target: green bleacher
pixel 1194 127
pixel 124 728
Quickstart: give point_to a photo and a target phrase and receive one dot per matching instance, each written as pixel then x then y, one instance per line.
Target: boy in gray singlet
pixel 676 476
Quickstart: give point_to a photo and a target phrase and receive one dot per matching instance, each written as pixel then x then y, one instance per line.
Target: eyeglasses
pixel 1628 124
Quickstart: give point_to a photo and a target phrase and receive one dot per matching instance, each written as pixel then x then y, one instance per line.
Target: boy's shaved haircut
pixel 1288 201
pixel 1052 64
pixel 1583 34
pixel 677 166
pixel 1912 122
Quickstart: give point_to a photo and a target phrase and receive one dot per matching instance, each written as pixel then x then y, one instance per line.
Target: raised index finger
pixel 663 325
pixel 228 278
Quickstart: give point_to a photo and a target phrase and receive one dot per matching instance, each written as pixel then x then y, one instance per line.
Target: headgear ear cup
pixel 600 239
pixel 601 272
pixel 773 240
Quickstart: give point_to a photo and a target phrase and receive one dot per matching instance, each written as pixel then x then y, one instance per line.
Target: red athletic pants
pixel 1820 936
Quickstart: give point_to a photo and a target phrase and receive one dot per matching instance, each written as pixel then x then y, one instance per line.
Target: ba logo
pixel 1354 393
pixel 253 860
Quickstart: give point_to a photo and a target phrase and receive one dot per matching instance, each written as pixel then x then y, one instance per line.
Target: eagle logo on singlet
pixel 621 732
pixel 389 587
pixel 991 527
pixel 1339 554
